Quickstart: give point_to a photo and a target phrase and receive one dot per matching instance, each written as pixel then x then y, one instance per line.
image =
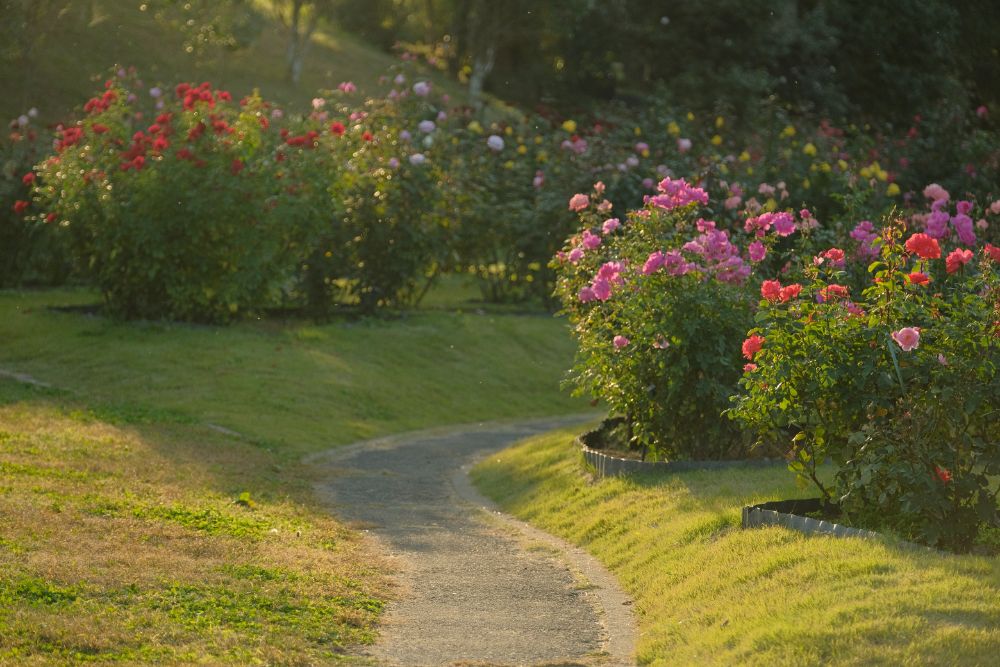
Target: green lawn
pixel 707 592
pixel 132 530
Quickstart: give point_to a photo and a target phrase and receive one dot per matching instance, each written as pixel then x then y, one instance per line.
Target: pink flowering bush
pixel 659 302
pixel 896 384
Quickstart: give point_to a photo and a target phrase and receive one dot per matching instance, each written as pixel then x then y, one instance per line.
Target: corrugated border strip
pixel 607 465
pixel 781 513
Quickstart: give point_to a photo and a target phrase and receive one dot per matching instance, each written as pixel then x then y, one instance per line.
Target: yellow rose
pixel 809 149
pixel 716 140
pixel 522 149
pixel 892 190
pixel 719 122
pixel 673 128
pixel 569 126
pixel 690 115
pixel 745 156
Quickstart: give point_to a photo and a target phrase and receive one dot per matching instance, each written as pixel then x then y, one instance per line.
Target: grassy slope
pixel 709 593
pixel 301 387
pixel 80 48
pixel 120 537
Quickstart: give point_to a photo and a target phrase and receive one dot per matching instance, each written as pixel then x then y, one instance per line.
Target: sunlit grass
pixel 126 542
pixel 707 592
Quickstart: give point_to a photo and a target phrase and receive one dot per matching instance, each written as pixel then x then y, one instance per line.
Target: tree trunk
pixel 482 65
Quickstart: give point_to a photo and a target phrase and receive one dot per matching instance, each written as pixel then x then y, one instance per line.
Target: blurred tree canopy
pixel 882 58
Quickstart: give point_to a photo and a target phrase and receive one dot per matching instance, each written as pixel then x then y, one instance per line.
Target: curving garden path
pixel 478 587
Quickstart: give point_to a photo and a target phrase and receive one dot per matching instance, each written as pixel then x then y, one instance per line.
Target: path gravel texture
pixel 477 587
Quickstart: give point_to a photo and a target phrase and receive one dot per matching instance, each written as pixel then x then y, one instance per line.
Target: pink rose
pixel 610 225
pixel 908 338
pixel 578 202
pixel 620 342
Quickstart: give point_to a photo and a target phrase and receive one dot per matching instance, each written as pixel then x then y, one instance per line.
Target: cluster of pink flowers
pixel 672 262
pixel 720 254
pixel 608 277
pixel 782 222
pixel 939 223
pixel 868 240
pixel 677 194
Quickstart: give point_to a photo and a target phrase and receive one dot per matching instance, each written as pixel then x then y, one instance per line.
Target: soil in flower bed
pixel 614 437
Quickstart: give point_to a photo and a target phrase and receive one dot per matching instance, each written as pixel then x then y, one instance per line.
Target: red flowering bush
pixel 898 386
pixel 173 213
pixel 29 239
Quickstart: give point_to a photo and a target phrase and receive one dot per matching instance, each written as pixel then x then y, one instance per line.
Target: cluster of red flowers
pixel 833 291
pixel 192 94
pixel 70 137
pixel 102 103
pixel 307 140
pixel 773 291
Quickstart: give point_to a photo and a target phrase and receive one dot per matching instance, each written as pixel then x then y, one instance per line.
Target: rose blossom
pixel 578 202
pixel 908 338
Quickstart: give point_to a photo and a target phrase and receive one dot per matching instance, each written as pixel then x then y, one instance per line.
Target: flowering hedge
pixel 366 200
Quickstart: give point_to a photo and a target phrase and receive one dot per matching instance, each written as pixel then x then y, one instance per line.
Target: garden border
pixel 787 513
pixel 607 465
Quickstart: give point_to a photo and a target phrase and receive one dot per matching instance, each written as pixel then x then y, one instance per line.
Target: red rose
pixel 923 246
pixel 790 292
pixel 337 128
pixel 20 206
pixel 918 278
pixel 28 178
pixel 752 345
pixel 942 474
pixel 958 258
pixel 771 290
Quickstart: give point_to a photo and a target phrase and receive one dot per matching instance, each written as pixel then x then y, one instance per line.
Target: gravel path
pixel 478 587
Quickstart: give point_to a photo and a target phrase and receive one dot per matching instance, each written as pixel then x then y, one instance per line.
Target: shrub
pixel 898 386
pixel 659 304
pixel 32 254
pixel 176 216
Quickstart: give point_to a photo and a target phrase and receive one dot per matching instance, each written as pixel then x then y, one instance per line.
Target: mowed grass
pixel 707 592
pixel 132 529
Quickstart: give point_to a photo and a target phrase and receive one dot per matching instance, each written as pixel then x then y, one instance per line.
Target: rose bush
pixel 659 302
pixel 896 384
pixel 174 215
